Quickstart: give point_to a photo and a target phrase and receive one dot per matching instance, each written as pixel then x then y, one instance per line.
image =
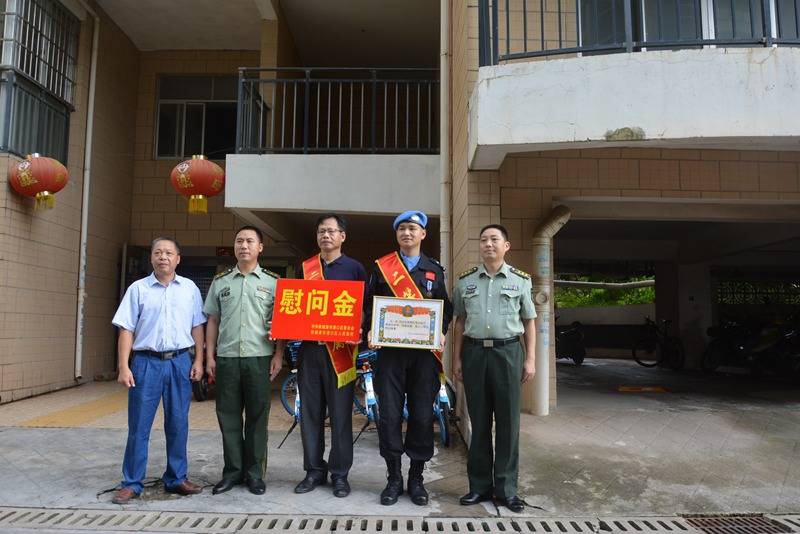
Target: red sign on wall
pixel 317 310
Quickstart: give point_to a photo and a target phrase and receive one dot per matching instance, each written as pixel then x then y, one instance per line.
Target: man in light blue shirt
pixel 160 320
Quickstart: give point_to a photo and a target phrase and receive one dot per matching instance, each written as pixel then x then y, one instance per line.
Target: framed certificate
pixel 408 323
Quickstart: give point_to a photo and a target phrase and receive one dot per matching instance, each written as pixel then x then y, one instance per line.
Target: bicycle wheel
pixel 451 395
pixel 647 352
pixel 713 355
pixel 579 355
pixel 442 410
pixel 375 414
pixel 200 389
pixel 674 353
pixel 358 389
pixel 288 394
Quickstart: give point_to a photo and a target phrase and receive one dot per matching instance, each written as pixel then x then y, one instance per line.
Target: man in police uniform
pixel 406 374
pixel 326 372
pixel 160 321
pixel 239 307
pixel 493 307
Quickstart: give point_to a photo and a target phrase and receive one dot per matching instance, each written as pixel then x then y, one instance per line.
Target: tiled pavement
pixel 704 445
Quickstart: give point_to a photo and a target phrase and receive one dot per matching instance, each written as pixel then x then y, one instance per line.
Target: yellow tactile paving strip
pixel 82 413
pixel 105 405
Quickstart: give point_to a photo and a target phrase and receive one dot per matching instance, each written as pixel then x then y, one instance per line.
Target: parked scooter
pixel 772 346
pixel 569 342
pixel 777 348
pixel 732 345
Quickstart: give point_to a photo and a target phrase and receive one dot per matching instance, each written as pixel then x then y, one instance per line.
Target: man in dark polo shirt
pixel 326 372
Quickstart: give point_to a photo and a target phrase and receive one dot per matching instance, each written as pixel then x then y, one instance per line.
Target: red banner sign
pixel 318 310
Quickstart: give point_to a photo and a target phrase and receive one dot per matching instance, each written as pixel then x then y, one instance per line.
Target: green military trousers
pixel 243 386
pixel 492 377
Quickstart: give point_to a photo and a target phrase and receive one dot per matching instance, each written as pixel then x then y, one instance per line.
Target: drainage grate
pixel 23 520
pixel 745 524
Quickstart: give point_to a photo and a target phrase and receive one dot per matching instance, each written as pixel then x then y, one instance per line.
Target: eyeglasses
pixel 328 231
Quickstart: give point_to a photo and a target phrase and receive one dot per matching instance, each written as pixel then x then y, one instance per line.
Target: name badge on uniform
pixel 470 289
pixel 225 293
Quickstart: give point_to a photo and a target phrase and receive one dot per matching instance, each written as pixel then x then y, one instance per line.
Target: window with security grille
pixel 37 78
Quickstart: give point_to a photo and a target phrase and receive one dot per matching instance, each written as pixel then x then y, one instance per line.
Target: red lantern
pixel 39 177
pixel 198 179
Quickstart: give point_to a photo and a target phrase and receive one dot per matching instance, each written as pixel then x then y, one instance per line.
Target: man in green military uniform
pixel 493 308
pixel 239 307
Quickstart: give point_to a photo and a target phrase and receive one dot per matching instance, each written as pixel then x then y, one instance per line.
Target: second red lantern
pixel 198 179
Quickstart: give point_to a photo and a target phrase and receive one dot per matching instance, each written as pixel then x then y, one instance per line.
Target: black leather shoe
pixel 225 485
pixel 256 486
pixel 474 498
pixel 515 504
pixel 341 487
pixel 311 481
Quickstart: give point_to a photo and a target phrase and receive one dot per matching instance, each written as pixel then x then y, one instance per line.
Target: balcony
pixel 359 141
pixel 668 74
pixel 338 111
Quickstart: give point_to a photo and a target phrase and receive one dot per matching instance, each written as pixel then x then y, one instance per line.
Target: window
pixel 196 115
pixel 37 80
pixel 684 23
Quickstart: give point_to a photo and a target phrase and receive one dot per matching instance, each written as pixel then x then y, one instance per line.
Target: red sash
pixel 395 273
pixel 343 356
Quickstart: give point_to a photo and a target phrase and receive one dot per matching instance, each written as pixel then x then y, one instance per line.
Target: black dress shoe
pixel 256 486
pixel 474 498
pixel 312 480
pixel 225 485
pixel 515 504
pixel 341 487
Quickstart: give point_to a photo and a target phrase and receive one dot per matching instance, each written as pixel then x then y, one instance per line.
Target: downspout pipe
pixel 445 221
pixel 542 281
pixel 87 178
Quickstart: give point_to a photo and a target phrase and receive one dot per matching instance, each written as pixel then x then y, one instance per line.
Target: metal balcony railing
pixel 338 110
pixel 519 29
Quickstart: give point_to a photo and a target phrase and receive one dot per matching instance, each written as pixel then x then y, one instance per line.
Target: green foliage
pixel 575 297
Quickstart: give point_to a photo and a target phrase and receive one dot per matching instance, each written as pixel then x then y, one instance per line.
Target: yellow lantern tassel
pixel 198 204
pixel 44 201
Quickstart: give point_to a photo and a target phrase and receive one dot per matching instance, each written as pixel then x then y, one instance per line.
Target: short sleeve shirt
pixel 244 304
pixel 161 317
pixel 494 306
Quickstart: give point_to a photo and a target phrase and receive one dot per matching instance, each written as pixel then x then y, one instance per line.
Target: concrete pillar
pixel 695 303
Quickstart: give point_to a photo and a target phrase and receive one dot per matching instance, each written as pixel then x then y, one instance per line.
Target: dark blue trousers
pixel 155 380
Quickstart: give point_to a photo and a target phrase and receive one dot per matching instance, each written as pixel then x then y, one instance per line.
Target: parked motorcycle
pixel 569 342
pixel 771 346
pixel 777 348
pixel 732 345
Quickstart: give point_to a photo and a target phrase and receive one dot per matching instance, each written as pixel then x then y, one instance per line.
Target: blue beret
pixel 413 216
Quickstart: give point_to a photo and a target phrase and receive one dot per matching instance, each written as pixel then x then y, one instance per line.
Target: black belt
pixel 492 342
pixel 161 355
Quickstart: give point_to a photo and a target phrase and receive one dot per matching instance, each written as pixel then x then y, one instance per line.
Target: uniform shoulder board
pixel 270 273
pixel 223 273
pixel 523 274
pixel 436 262
pixel 468 272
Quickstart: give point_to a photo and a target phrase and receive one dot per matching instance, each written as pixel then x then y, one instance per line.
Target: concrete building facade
pixel 678 161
